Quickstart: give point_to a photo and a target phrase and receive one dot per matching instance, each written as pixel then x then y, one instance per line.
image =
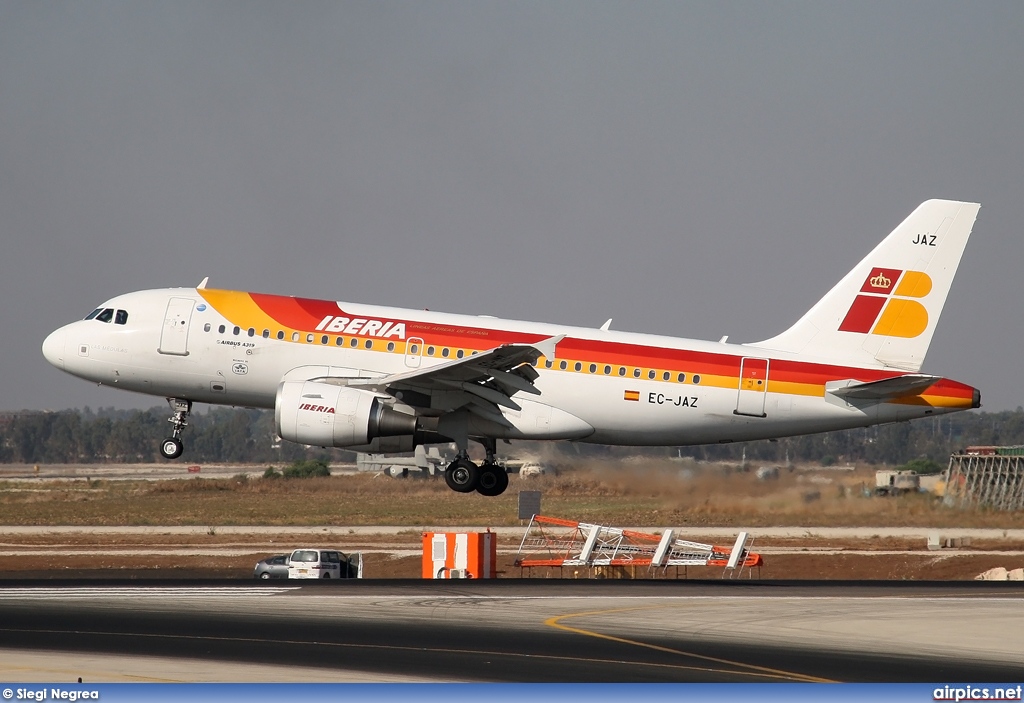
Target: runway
pixel 515 631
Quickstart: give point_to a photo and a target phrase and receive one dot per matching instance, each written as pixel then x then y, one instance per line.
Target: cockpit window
pixel 106 315
pixel 121 317
pixel 94 313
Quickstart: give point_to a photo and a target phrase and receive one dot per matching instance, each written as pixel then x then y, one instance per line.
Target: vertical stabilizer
pixel 883 313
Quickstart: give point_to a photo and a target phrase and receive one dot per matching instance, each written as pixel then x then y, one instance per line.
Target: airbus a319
pixel 381 379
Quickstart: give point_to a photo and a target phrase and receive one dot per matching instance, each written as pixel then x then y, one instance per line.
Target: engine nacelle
pixel 325 415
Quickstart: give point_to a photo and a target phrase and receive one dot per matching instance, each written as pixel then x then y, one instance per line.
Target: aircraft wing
pixel 887 388
pixel 479 382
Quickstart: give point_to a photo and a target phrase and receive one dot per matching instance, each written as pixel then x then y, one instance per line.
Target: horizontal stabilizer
pixel 886 389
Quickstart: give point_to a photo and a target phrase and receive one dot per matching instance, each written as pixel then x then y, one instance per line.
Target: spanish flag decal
pixel 631 395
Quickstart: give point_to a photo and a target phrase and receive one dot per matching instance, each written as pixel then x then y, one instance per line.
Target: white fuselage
pixel 703 401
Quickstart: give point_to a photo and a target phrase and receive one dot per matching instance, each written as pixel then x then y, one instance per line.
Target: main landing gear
pixel 488 479
pixel 172 447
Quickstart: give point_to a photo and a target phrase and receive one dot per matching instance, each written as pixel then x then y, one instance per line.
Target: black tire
pixel 265 575
pixel 462 476
pixel 171 448
pixel 493 480
pixel 327 576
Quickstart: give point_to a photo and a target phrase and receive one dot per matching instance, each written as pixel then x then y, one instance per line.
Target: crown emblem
pixel 880 281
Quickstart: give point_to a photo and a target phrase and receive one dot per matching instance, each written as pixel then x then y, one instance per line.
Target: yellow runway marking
pixel 497 654
pixel 752 669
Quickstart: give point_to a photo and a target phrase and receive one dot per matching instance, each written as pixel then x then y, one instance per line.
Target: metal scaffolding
pixel 554 542
pixel 989 481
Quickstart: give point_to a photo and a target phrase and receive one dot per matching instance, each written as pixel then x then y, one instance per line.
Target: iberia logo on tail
pixel 885 304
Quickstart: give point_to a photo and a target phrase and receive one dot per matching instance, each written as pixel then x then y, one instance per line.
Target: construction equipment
pixel 554 542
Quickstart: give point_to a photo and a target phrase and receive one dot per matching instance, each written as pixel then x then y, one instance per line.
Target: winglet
pixel 547 347
pixel 202 284
pixel 607 325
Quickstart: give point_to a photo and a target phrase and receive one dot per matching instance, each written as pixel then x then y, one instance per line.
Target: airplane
pixel 423 462
pixel 382 379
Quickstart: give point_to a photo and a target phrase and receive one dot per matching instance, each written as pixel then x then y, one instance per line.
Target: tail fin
pixel 883 313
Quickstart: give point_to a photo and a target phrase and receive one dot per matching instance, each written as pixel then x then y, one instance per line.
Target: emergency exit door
pixel 753 387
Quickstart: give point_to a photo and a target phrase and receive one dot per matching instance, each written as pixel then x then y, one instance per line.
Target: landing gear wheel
pixel 171 448
pixel 462 476
pixel 493 480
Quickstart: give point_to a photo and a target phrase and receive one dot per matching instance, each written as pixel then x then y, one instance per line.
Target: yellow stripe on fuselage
pixel 240 309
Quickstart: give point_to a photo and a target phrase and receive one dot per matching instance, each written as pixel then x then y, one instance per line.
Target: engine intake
pixel 325 415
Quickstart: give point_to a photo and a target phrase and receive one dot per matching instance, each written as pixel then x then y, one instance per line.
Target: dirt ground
pixel 113 517
pixel 397 556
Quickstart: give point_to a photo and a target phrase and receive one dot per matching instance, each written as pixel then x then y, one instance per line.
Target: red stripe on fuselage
pixel 295 313
pixel 306 313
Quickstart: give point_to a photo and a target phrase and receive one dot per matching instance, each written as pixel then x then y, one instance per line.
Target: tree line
pixel 235 435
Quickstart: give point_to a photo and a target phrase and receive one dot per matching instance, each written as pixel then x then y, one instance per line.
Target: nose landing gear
pixel 172 447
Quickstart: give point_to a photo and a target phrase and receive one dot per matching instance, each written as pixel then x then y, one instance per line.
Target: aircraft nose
pixel 53 347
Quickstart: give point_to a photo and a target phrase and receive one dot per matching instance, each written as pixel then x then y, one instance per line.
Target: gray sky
pixel 693 169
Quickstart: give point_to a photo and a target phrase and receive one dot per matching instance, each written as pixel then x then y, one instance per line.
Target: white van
pixel 315 563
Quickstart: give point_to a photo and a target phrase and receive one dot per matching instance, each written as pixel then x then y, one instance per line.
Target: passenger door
pixel 753 387
pixel 174 335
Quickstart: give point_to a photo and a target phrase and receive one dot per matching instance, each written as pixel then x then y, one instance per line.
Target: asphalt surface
pixel 533 631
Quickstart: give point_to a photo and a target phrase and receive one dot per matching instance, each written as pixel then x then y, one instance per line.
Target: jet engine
pixel 325 415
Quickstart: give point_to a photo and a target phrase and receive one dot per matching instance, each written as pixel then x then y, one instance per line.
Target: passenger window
pixel 593 368
pixel 563 365
pixel 295 336
pixel 607 370
pixel 547 363
pixel 94 313
pixel 414 348
pixel 622 370
pixel 338 341
pixel 461 354
pixel 681 378
pixel 666 376
pixel 368 344
pixel 578 366
pixel 324 339
pixel 445 352
pixel 353 342
pixel 251 332
pixel 391 346
pixel 430 351
pixel 636 373
pixel 309 337
pixel 280 334
pixel 221 329
pixel 106 316
pixel 696 378
pixel 236 330
pixel 121 317
pixel 206 327
pixel 266 334
pixel 651 374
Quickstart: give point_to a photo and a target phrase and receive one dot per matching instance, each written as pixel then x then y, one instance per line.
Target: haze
pixel 692 169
